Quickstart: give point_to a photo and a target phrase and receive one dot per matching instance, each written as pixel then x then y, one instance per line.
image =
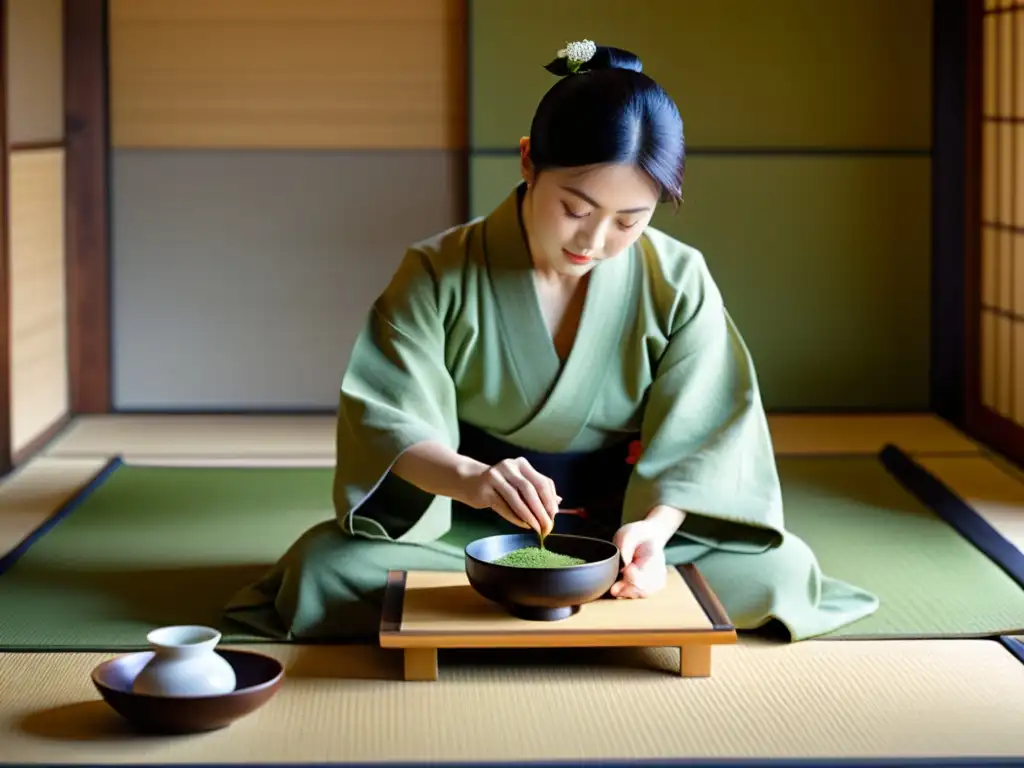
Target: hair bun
pixel 586 56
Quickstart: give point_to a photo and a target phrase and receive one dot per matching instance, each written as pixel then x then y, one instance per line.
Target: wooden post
pixel 421 664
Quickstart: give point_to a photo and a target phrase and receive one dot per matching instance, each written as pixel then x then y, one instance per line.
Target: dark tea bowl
pixel 542 594
pixel 258 678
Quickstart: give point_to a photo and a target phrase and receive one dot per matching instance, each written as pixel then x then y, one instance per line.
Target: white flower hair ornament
pixel 577 54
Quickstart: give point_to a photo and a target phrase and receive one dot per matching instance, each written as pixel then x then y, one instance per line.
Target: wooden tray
pixel 427 610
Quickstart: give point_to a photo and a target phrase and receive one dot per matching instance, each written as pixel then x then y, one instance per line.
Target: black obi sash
pixel 593 482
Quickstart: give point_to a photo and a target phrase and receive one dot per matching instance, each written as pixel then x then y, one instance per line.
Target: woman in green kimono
pixel 505 372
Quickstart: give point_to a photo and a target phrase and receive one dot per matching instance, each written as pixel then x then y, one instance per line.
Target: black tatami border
pixel 954 510
pixel 8 559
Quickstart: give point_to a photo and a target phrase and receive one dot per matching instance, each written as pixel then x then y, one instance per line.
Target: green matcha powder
pixel 536 557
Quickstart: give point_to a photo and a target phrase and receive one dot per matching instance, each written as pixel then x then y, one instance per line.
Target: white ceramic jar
pixel 185 662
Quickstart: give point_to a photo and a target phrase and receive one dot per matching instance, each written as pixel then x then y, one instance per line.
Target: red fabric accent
pixel 635 451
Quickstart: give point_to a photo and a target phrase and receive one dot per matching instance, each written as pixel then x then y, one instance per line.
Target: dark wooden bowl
pixel 542 594
pixel 258 679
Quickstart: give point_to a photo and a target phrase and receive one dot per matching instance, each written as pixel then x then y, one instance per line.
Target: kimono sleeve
pixel 396 392
pixel 706 445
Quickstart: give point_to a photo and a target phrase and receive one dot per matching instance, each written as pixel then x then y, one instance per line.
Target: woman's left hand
pixel 642 546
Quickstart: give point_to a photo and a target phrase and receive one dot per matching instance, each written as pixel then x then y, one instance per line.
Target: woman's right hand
pixel 517 492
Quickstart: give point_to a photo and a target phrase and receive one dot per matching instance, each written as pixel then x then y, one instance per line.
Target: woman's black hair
pixel 609 111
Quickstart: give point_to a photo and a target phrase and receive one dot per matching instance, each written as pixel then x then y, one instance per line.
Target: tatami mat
pixel 866 699
pixel 854 433
pixel 311 437
pixel 288 437
pixel 171 440
pixel 993 492
pixel 896 699
pixel 32 494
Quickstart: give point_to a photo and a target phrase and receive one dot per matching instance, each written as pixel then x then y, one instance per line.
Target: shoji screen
pixel 1001 391
pixel 35 166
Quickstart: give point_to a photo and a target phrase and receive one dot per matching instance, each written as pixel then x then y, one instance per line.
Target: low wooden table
pixel 427 610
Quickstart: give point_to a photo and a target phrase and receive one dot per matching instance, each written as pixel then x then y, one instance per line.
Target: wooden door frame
pixel 87 212
pixel 949 353
pixel 5 239
pixel 974 415
pixel 88 208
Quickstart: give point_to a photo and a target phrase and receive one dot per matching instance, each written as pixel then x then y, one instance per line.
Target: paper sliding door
pixel 996 247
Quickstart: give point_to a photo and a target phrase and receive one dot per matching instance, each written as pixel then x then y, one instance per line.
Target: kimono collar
pixel 559 394
pixel 504 234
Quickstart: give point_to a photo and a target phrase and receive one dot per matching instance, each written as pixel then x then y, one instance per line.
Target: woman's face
pixel 577 217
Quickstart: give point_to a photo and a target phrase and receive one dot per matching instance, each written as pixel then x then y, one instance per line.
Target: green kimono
pixel 458 336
